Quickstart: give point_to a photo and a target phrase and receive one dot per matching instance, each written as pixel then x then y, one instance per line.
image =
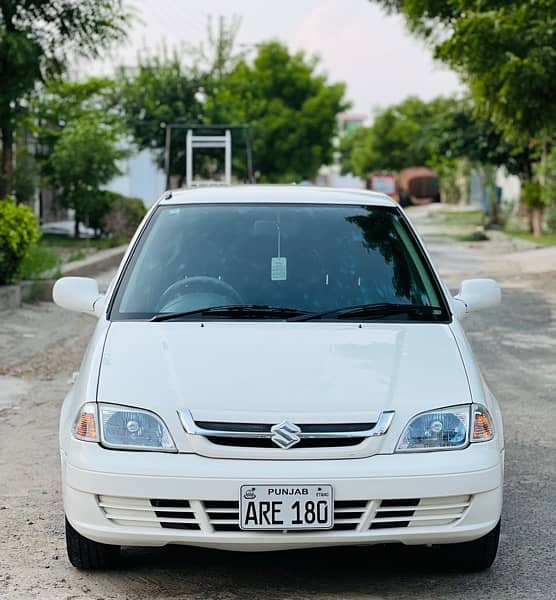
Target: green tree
pixel 457 132
pixel 36 39
pixel 172 87
pixel 59 102
pixel 57 111
pixel 439 134
pixel 400 136
pixel 505 51
pixel 84 158
pixel 159 91
pixel 218 55
pixel 290 109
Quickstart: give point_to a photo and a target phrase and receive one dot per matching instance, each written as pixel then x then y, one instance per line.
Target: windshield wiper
pixel 375 311
pixel 239 310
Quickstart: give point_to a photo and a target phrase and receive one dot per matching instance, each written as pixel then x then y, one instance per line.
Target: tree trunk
pixel 536 218
pixel 76 229
pixel 489 182
pixel 494 217
pixel 7 162
pixel 530 224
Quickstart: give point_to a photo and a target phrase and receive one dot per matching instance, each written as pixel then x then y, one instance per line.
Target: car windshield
pixel 305 259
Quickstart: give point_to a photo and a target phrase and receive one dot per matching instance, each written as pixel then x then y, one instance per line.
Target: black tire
pixel 477 555
pixel 86 554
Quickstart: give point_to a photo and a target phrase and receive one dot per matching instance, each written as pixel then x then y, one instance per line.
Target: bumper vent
pixel 175 514
pixel 138 512
pixel 223 515
pixel 417 512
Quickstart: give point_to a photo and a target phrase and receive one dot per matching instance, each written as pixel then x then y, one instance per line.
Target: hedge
pixel 18 233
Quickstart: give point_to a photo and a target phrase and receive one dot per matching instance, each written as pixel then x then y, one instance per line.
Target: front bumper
pixel 154 499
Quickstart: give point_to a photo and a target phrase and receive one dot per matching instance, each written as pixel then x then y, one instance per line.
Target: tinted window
pixel 308 257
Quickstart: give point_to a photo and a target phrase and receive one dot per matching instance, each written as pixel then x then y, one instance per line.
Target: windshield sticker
pixel 279 268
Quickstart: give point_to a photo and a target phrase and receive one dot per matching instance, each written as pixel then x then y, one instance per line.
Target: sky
pixel 372 52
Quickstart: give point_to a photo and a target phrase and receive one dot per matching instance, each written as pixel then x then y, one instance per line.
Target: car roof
pixel 285 194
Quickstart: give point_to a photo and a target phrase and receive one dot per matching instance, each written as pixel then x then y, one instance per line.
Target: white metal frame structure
pixel 208 141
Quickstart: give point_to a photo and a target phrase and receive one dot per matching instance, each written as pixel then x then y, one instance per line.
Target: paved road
pixel 41 347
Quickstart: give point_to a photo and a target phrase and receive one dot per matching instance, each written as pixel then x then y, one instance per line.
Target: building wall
pixel 141 178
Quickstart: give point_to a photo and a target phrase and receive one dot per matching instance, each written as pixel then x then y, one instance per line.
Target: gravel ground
pixel 40 348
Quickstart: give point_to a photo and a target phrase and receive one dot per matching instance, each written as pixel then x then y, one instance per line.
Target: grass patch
pixel 548 239
pixel 461 217
pixel 40 263
pixel 45 258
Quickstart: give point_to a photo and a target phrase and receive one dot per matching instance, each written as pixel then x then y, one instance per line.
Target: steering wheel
pixel 196 285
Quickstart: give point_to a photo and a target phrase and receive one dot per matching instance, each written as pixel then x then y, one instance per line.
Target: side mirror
pixel 80 294
pixel 476 294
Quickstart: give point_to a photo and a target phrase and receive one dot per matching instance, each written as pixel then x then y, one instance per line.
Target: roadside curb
pixel 12 296
pixel 94 264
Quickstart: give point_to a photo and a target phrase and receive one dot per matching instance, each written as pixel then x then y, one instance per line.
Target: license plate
pixel 286 507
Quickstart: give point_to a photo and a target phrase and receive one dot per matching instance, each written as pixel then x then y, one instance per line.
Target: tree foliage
pixel 434 133
pixel 161 90
pixel 290 108
pixel 83 159
pixel 73 121
pixel 399 137
pixel 506 51
pixel 58 103
pixel 36 39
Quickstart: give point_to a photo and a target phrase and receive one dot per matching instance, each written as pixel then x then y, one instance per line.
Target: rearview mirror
pixel 80 294
pixel 476 294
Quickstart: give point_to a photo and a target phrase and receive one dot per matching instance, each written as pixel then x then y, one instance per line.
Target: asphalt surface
pixel 41 346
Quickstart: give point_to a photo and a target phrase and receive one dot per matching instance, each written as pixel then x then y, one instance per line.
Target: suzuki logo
pixel 285 434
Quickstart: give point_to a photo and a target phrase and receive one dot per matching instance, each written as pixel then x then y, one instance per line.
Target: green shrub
pixel 124 217
pixel 18 232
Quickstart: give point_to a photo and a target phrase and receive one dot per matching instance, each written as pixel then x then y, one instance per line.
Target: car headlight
pixel 450 428
pixel 123 428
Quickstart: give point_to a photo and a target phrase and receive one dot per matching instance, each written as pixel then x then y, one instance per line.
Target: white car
pixel 275 368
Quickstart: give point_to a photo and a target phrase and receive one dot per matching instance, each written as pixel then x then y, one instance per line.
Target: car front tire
pixel 86 554
pixel 477 555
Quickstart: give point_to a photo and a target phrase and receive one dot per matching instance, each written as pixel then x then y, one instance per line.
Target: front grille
pixel 262 443
pixel 265 427
pixel 245 441
pixel 223 515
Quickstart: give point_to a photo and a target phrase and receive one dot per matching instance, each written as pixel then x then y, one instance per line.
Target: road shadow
pixel 392 571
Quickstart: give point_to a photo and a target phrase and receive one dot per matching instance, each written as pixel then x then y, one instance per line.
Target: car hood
pixel 268 372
